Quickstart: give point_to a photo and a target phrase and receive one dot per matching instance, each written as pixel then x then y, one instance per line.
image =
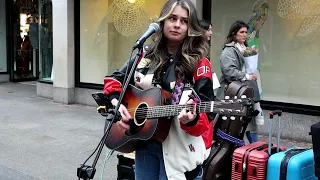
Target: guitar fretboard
pixel 174 110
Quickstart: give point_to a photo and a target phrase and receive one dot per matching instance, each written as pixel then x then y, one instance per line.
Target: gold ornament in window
pixel 306 7
pixel 285 11
pixel 309 25
pixel 308 10
pixel 128 16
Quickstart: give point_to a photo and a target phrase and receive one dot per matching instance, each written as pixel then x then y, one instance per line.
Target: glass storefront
pixel 288 41
pixel 288 45
pixel 45 40
pixel 24 62
pixel 3 38
pixel 30 23
pixel 108 30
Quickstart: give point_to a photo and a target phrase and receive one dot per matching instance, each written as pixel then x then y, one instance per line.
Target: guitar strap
pixel 177 91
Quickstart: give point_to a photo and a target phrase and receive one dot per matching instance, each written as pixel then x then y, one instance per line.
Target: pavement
pixel 44 140
pixel 40 139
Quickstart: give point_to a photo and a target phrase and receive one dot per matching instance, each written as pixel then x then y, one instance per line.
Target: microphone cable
pixel 108 155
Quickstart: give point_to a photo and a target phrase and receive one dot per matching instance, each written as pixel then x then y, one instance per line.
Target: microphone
pixel 153 27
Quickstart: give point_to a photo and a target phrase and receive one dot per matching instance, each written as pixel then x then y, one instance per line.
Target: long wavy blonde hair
pixel 192 48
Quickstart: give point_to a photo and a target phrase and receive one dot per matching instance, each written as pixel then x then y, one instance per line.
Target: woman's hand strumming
pixel 123 124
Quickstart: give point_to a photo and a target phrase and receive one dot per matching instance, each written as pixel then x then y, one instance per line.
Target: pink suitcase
pixel 250 162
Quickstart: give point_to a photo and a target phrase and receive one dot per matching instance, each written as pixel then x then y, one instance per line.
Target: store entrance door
pixel 24 38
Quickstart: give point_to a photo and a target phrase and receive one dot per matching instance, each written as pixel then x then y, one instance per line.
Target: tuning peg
pixel 227 97
pixel 224 118
pixel 221 111
pixel 231 100
pixel 238 111
pixel 233 118
pixel 235 97
pixel 229 110
pixel 243 96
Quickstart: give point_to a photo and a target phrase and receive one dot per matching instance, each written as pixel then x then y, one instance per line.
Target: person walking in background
pixel 175 57
pixel 207 26
pixel 26 48
pixel 233 69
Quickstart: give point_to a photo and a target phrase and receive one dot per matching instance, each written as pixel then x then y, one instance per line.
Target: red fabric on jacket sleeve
pixel 199 128
pixel 111 85
pixel 208 136
pixel 204 70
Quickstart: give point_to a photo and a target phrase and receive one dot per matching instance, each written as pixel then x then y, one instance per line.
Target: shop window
pixel 3 38
pixel 44 28
pixel 108 30
pixel 31 24
pixel 288 45
pixel 24 62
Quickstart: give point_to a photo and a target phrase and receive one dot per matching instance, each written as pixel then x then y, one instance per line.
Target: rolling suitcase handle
pixel 273 113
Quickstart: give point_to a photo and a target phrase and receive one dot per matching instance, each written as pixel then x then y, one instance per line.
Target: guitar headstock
pixel 233 106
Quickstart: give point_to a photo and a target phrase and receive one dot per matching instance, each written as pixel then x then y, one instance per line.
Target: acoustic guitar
pixel 152 115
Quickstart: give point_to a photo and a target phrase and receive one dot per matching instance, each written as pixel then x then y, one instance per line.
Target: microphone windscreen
pixel 155 26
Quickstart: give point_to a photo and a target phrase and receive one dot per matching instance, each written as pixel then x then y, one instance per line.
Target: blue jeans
pixel 149 163
pixel 199 177
pixel 252 137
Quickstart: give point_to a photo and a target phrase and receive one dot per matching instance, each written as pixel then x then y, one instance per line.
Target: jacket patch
pixel 172 84
pixel 203 70
pixel 187 85
pixel 138 79
pixel 191 147
pixel 143 66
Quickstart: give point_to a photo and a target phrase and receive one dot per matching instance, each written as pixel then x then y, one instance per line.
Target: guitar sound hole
pixel 140 116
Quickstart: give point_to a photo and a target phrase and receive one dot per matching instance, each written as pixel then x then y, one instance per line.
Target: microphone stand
pixel 86 172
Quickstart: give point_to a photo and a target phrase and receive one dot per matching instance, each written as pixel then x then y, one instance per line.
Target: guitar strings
pixel 164 108
pixel 145 111
pixel 145 114
pixel 203 104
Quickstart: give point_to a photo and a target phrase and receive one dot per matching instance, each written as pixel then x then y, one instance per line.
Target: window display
pixel 45 39
pixel 288 41
pixel 108 31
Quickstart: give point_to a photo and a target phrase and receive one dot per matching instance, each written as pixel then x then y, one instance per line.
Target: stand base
pixel 86 172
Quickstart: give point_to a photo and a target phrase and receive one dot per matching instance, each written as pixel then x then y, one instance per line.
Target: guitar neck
pixel 174 110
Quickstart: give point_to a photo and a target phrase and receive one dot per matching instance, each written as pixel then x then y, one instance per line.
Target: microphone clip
pixel 139 44
pixel 111 113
